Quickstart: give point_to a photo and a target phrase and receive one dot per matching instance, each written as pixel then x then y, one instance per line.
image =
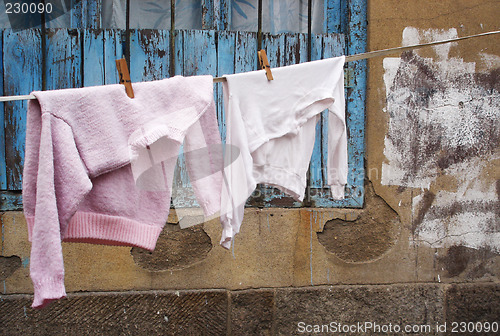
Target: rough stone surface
pixel 252 312
pixel 8 265
pixel 401 305
pixel 365 238
pixel 161 313
pixel 472 303
pixel 175 249
pixel 255 312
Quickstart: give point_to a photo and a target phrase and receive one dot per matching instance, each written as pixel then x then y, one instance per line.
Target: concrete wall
pixel 424 250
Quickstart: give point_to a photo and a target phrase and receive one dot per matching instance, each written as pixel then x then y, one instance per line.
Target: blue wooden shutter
pixel 85 56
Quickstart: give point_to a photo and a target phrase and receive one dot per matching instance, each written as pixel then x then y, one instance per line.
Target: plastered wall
pixel 433 125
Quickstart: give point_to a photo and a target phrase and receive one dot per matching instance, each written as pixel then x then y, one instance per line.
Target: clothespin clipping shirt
pixel 124 75
pixel 264 63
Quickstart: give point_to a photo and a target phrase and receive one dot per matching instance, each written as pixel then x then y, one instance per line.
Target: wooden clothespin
pixel 264 63
pixel 121 66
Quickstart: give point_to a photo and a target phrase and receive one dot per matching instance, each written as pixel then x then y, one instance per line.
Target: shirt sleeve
pixel 238 182
pixel 61 183
pixel 337 142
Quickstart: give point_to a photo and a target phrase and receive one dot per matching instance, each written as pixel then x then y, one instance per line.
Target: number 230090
pixel 472 327
pixel 27 8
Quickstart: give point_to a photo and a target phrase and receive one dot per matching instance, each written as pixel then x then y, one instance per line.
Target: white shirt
pixel 270 133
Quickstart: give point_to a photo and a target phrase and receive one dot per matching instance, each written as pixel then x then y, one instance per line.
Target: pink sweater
pixel 99 167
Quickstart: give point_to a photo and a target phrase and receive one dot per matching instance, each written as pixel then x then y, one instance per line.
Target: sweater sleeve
pixel 337 142
pixel 61 184
pixel 203 152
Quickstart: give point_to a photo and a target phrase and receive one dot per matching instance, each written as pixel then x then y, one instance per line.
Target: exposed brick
pixel 252 312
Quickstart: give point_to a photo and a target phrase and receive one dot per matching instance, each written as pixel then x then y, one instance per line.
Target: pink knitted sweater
pixel 99 167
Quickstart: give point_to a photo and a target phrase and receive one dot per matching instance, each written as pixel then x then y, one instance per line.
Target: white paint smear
pixel 444 120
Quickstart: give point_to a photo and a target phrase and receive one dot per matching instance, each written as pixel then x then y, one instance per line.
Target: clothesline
pixel 349 58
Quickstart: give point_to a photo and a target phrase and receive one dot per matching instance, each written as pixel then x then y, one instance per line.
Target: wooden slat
pixel 237 55
pixel 10 201
pixel 226 50
pixel 93 12
pixel 245 58
pixel 207 14
pixel 355 99
pixel 199 57
pixel 112 51
pixel 179 52
pixel 333 16
pixel 63 59
pixel 295 48
pixel 149 55
pixel 22 74
pixel 316 166
pixel 275 49
pixel 93 57
pixel 78 14
pixel 224 19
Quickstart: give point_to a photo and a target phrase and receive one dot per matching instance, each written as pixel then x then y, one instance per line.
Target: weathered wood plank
pixel 93 57
pixel 355 100
pixel 10 201
pixel 333 17
pixel 245 58
pixel 224 20
pixel 179 52
pixel 22 63
pixel 93 12
pixel 316 166
pixel 226 50
pixel 78 14
pixel 112 51
pixel 207 14
pixel 199 57
pixel 275 49
pixel 149 55
pixel 63 59
pixel 295 48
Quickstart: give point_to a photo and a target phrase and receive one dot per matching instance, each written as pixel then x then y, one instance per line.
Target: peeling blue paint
pixel 91 62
